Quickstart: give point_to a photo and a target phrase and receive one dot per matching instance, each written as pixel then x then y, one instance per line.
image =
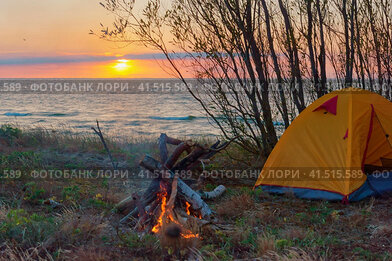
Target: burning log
pixel 169 202
pixel 173 194
pixel 189 194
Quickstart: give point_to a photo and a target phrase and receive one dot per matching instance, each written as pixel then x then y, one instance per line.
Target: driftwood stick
pixel 146 217
pixel 183 146
pixel 139 204
pixel 196 164
pixel 224 145
pixel 173 194
pixel 125 204
pixel 181 216
pixel 176 142
pixel 130 214
pixel 191 158
pixel 172 141
pixel 138 210
pixel 214 149
pixel 186 217
pixel 99 133
pixel 196 201
pixel 148 197
pixel 150 193
pixel 53 203
pixel 150 164
pixel 163 148
pixel 218 191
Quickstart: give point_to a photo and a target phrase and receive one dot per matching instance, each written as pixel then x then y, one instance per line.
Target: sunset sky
pixel 50 39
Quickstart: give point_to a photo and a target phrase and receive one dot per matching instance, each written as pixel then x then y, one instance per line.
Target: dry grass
pixel 274 229
pixel 8 253
pixel 382 231
pixel 293 254
pixel 266 244
pixel 294 233
pixel 268 216
pixel 91 253
pixel 235 206
pixel 77 228
pixel 256 225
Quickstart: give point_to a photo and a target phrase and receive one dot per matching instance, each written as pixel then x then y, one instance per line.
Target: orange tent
pixel 327 149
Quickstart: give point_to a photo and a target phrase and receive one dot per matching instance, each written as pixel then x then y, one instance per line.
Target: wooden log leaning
pixel 172 141
pixel 193 157
pixel 148 197
pixel 163 148
pixel 176 142
pixel 214 149
pixel 183 146
pixel 173 194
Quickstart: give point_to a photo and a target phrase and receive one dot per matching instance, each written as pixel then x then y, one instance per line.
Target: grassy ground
pixel 261 225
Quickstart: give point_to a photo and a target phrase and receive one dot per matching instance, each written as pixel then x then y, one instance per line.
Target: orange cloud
pixel 103 69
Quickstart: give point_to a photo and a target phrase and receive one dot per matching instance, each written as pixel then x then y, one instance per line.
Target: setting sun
pixel 122 65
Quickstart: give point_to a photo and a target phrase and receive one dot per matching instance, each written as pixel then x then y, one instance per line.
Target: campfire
pixel 166 216
pixel 170 205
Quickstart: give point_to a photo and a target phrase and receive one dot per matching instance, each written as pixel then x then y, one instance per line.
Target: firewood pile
pixel 169 204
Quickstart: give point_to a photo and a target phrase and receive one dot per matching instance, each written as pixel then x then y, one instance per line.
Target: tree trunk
pixel 309 38
pixel 298 95
pixel 322 57
pixel 279 78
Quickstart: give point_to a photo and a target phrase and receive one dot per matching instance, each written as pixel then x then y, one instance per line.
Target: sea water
pixel 147 107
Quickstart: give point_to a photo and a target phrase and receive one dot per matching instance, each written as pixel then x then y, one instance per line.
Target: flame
pixel 189 212
pixel 167 217
pixel 189 235
pixel 162 195
pixel 187 208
